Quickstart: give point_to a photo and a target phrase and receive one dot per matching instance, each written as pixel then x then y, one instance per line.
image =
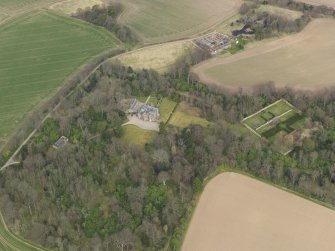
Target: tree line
pixel 266 24
pixel 99 193
pixel 107 17
pixel 309 9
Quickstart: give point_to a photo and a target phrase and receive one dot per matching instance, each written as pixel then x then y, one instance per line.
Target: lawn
pixel 166 108
pixel 157 21
pixel 134 135
pixel 38 52
pixel 186 115
pixel 302 61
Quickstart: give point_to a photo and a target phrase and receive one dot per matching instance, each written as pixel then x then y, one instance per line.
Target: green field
pixel 38 52
pixel 166 108
pixel 158 20
pixel 13 7
pixel 267 114
pixel 134 135
pixel 16 3
pixel 11 242
pixel 185 116
pixel 276 123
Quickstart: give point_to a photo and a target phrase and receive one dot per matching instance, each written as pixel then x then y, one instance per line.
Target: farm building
pixel 61 142
pixel 214 42
pixel 143 111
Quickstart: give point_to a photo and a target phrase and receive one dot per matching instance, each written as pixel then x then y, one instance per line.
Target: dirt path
pixel 238 213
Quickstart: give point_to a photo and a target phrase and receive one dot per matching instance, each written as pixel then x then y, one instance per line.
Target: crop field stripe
pixel 10 240
pixel 57 54
pixel 34 63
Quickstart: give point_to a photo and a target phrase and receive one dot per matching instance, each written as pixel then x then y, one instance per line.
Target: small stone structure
pixel 214 43
pixel 61 142
pixel 143 111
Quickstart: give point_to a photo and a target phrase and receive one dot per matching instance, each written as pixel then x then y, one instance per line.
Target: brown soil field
pixel 238 213
pixel 330 3
pixel 304 61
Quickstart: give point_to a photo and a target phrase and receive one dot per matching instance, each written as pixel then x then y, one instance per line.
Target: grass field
pixel 186 115
pixel 303 61
pixel 158 20
pixel 71 6
pixel 10 242
pixel 238 213
pixel 289 14
pixel 13 7
pixel 166 108
pixel 330 3
pixel 38 52
pixel 134 135
pixel 11 4
pixel 157 57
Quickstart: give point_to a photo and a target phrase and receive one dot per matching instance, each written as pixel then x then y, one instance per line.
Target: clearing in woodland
pixel 38 52
pixel 303 60
pixel 158 57
pixel 158 20
pixel 329 3
pixel 238 213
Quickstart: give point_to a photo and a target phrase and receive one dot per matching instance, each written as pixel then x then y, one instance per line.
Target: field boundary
pixel 223 168
pixel 5 242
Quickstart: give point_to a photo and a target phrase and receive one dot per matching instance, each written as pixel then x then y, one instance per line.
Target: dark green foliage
pixel 95 222
pixel 156 199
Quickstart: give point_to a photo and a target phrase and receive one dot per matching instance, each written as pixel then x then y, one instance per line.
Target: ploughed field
pixel 238 213
pixel 304 60
pixel 38 51
pixel 158 20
